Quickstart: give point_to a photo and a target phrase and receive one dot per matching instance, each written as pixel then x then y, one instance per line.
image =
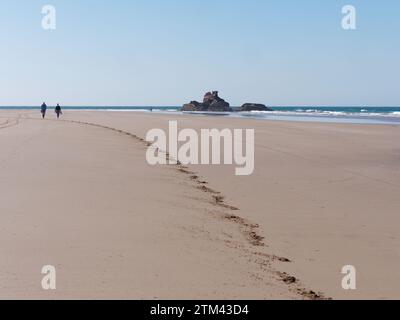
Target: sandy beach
pixel 78 194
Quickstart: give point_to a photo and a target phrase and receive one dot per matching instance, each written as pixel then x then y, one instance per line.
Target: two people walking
pixel 57 110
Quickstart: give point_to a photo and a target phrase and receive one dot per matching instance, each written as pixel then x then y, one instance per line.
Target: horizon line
pixel 179 106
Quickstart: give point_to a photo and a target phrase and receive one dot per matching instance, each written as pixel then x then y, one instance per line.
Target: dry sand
pixel 78 194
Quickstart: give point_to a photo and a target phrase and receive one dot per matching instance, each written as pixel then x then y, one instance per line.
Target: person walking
pixel 43 110
pixel 58 111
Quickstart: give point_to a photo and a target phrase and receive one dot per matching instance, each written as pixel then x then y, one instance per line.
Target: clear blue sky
pixel 131 52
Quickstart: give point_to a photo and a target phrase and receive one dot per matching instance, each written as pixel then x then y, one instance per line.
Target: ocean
pixel 367 115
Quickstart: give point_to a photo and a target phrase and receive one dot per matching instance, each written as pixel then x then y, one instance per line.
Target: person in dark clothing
pixel 58 111
pixel 43 109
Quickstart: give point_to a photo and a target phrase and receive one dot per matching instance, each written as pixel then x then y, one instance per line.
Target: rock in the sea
pixel 211 102
pixel 192 106
pixel 255 107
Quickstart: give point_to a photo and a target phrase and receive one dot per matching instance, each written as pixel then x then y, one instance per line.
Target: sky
pixel 167 53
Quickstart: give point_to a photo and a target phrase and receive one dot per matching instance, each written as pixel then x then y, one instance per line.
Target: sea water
pixel 367 115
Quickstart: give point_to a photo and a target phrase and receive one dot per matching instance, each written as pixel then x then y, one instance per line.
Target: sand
pixel 78 194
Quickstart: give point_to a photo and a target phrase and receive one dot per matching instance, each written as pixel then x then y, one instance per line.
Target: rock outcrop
pixel 211 102
pixel 254 107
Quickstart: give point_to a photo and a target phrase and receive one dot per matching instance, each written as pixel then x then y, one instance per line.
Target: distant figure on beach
pixel 58 111
pixel 43 109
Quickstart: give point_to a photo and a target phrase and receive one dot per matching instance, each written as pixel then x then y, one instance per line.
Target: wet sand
pixel 78 194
